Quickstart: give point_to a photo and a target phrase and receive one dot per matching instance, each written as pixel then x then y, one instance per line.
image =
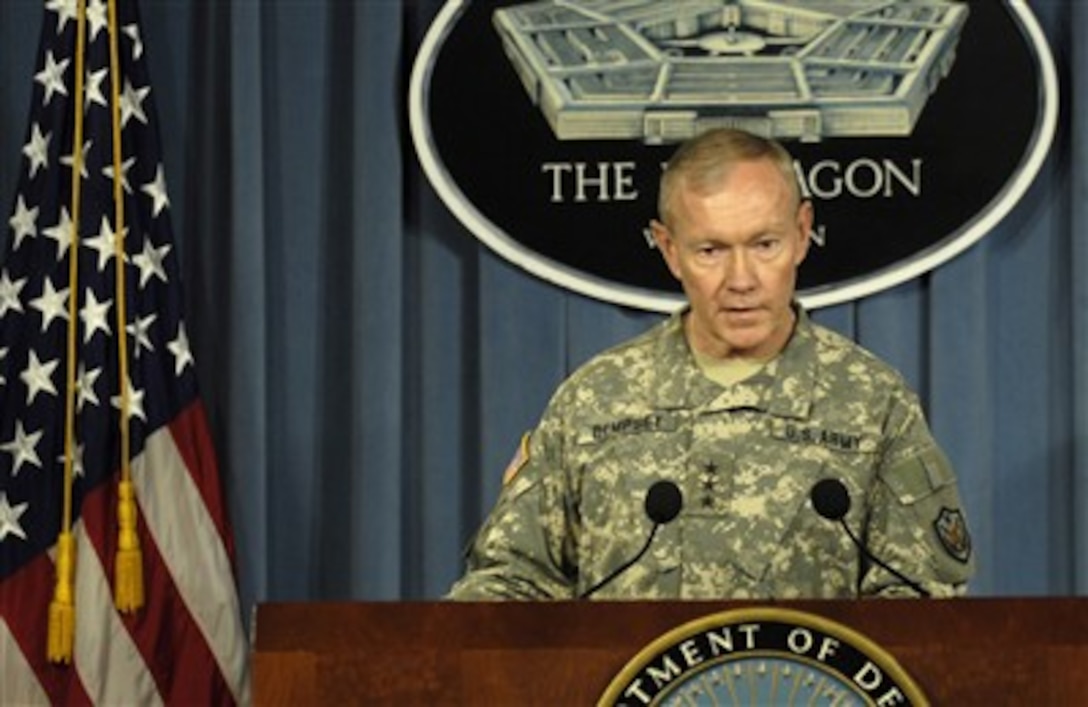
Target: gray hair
pixel 702 162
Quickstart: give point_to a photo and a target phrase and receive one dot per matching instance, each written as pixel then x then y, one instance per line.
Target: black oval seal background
pixel 973 135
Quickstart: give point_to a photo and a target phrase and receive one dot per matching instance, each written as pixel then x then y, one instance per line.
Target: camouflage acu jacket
pixel 745 458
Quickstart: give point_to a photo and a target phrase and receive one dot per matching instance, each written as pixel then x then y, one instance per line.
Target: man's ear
pixel 805 219
pixel 665 243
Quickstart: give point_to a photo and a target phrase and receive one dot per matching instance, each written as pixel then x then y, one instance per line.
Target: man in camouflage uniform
pixel 745 404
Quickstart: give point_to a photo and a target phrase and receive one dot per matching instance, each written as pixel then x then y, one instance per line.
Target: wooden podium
pixel 1025 651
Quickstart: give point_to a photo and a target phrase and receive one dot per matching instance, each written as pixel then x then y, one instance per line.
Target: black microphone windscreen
pixel 663 502
pixel 831 499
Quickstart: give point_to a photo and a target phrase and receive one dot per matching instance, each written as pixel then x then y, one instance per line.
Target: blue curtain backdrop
pixel 369 366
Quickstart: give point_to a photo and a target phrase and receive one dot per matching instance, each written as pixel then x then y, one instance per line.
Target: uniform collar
pixel 783 388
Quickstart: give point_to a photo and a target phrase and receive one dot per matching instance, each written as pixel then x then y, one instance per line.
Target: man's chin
pixel 744 335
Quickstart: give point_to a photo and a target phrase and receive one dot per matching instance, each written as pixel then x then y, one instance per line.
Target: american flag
pixel 185 644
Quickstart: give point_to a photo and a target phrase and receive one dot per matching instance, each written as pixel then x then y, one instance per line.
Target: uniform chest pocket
pixel 617 524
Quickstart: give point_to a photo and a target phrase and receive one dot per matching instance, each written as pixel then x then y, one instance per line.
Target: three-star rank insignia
pixel 952 531
pixel 709 479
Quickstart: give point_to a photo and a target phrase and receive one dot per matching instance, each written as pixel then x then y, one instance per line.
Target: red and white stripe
pixel 187 645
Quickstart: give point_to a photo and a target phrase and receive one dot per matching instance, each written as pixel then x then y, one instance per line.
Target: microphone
pixel 832 501
pixel 663 504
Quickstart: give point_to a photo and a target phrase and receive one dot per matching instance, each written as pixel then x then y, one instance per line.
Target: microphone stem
pixel 616 572
pixel 922 591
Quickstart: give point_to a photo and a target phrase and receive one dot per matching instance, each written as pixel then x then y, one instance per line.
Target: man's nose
pixel 739 270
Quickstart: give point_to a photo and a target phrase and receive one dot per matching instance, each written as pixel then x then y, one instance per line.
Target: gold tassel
pixel 62 610
pixel 129 570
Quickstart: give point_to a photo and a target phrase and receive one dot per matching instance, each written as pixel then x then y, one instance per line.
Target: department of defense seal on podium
pixel 762 656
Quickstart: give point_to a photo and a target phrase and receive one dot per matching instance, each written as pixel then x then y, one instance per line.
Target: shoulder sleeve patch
pixel 952 532
pixel 521 457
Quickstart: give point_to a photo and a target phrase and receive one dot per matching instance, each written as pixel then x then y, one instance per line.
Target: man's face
pixel 735 249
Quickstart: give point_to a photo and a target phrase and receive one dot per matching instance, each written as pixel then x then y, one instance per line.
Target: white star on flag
pixel 97 17
pixel 156 189
pixel 150 262
pixel 125 166
pixel 85 381
pixel 65 9
pixel 9 518
pixel 135 402
pixel 183 357
pixel 140 331
pixel 105 243
pixel 51 303
pixel 77 460
pixel 93 87
pixel 24 222
pixel 37 150
pixel 132 100
pixel 38 377
pixel 67 160
pixel 61 233
pixel 95 316
pixel 23 448
pixel 9 294
pixel 52 77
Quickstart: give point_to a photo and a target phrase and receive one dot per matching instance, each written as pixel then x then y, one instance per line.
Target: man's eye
pixel 767 246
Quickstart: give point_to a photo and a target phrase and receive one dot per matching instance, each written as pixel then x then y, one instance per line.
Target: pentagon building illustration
pixel 792 69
